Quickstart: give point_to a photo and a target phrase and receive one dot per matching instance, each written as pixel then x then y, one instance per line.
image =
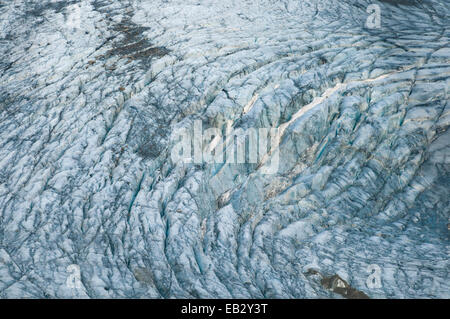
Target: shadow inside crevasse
pixel 38 9
pixel 402 2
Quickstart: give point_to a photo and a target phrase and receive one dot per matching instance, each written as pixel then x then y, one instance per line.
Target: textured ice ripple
pixel 88 112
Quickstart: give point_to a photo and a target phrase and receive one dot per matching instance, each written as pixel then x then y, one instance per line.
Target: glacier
pixel 94 92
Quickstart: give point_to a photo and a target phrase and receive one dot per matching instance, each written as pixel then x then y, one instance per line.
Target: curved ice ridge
pixel 93 92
